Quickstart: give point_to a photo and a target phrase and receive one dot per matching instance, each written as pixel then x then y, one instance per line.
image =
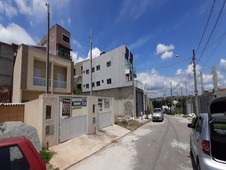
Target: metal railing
pixel 39 81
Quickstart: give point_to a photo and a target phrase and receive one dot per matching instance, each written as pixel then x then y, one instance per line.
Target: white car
pixel 208 137
pixel 157 115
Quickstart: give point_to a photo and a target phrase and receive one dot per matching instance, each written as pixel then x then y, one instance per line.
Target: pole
pixel 134 91
pixel 195 84
pixel 91 66
pixel 47 50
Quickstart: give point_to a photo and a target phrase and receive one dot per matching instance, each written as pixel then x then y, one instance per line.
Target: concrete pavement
pixel 77 149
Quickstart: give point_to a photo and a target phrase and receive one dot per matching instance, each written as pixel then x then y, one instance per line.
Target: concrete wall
pixel 47 125
pixel 17 94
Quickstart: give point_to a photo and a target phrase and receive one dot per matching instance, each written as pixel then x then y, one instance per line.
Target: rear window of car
pixel 219 129
pixel 157 110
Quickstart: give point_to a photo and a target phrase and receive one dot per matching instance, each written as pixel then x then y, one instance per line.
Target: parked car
pixel 157 115
pixel 19 153
pixel 208 137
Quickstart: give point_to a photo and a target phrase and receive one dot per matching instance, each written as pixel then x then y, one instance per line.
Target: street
pixel 154 146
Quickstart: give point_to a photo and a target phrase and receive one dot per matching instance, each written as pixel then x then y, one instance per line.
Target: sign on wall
pixel 78 102
pixel 66 109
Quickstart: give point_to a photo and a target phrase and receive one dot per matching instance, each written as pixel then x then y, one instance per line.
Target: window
pixel 199 123
pixel 52 36
pixel 109 64
pixel 48 111
pixel 93 69
pixel 37 79
pixel 102 81
pixel 66 39
pixel 87 71
pixel 100 104
pixel 108 81
pixel 98 67
pixel 93 84
pixel 74 71
pixel 98 83
pixel 87 86
pixel 11 157
pixel 106 103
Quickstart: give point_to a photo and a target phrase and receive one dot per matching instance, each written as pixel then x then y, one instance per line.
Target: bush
pixel 46 155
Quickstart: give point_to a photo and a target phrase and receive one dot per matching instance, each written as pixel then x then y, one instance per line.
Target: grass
pixel 129 124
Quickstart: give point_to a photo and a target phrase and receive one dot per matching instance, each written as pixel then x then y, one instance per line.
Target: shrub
pixel 46 155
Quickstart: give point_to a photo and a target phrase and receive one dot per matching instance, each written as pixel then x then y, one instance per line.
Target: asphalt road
pixel 154 146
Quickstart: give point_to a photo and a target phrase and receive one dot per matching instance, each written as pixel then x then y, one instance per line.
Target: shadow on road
pixel 192 162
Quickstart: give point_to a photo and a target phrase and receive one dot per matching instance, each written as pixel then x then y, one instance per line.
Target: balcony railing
pixel 38 81
pixel 63 55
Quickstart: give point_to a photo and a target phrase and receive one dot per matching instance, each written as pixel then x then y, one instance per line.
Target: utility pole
pixel 195 84
pixel 134 90
pixel 91 67
pixel 202 85
pixel 47 50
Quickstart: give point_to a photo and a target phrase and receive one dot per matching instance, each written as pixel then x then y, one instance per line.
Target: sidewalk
pixel 77 149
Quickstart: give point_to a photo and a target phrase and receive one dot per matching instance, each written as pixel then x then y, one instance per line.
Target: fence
pixel 11 112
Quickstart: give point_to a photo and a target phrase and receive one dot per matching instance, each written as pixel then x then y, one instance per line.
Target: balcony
pixel 39 81
pixel 63 54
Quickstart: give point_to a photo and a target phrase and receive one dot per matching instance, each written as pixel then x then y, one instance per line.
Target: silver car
pixel 157 115
pixel 208 138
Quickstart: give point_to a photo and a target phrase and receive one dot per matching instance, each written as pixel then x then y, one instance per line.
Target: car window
pixel 198 127
pixel 157 110
pixel 11 157
pixel 219 129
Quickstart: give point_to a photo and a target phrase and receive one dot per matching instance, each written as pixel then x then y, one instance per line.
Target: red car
pixel 19 153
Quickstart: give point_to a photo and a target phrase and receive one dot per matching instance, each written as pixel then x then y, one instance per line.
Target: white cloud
pixel 139 42
pixel 166 51
pixel 69 20
pixel 161 48
pixel 75 57
pixel 132 9
pixel 223 65
pixel 95 52
pixel 13 33
pixel 8 9
pixel 166 55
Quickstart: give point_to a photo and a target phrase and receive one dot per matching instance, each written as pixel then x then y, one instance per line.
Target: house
pixel 112 75
pixel 30 67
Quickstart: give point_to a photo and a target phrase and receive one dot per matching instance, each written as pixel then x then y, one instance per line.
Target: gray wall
pixel 6 64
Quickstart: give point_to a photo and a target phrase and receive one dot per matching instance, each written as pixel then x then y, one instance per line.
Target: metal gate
pixel 104 119
pixel 71 126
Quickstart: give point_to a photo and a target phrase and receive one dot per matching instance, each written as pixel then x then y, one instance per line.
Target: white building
pixel 112 75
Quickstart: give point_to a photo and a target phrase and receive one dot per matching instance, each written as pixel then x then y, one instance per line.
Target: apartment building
pixel 112 75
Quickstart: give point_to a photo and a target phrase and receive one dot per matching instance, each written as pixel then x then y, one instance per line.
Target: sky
pixel 161 34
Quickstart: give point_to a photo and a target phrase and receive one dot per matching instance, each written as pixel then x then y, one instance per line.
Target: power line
pixel 211 34
pixel 206 26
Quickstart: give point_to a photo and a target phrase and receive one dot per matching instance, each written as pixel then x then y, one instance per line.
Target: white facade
pixel 110 70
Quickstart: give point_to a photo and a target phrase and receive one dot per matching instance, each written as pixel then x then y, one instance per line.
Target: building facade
pixel 7 57
pixel 29 79
pixel 59 41
pixel 112 75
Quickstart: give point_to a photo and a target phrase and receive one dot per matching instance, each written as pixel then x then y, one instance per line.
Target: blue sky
pixel 154 30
